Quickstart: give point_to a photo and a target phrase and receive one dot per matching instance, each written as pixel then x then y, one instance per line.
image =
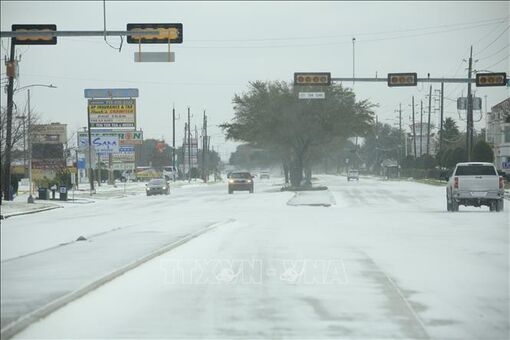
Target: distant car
pixel 170 172
pixel 240 181
pixel 475 184
pixel 353 174
pixel 264 175
pixel 128 175
pixel 157 186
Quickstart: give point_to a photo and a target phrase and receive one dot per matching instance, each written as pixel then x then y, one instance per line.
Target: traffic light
pixel 491 79
pixel 167 33
pixel 402 79
pixel 312 78
pixel 34 40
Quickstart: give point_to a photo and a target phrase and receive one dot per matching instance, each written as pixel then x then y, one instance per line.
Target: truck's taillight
pixel 501 182
pixel 456 182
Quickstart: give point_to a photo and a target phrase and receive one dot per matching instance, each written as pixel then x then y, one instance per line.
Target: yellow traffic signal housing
pixel 168 33
pixel 491 79
pixel 35 40
pixel 312 78
pixel 402 79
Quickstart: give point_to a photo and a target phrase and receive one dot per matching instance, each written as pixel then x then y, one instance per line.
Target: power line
pixel 439 29
pixel 135 81
pixel 337 42
pixel 490 32
pixel 495 53
pixel 492 42
pixel 499 62
pixel 471 23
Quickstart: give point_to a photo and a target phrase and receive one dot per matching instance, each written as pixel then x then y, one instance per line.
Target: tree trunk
pixel 308 176
pixel 296 173
pixel 286 171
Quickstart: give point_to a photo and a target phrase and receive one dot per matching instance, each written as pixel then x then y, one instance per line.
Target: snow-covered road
pixel 384 261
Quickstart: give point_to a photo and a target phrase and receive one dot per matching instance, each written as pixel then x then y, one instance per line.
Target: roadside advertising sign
pixel 102 143
pixel 112 113
pixel 124 137
pixel 48 164
pixel 111 93
pixel 194 154
pixel 49 133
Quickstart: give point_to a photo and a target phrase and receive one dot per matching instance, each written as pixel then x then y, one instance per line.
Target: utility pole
pixel 204 147
pixel 98 169
pixel 441 123
pixel 29 142
pixel 184 149
pixel 91 171
pixel 469 129
pixel 353 58
pixel 8 135
pixel 414 130
pixel 400 130
pixel 376 144
pixel 428 122
pixel 421 128
pixel 23 119
pixel 173 140
pixel 189 144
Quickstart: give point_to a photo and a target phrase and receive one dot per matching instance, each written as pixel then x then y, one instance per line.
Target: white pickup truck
pixel 475 184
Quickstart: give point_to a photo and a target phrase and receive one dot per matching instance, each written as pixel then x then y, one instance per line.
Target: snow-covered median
pixel 322 198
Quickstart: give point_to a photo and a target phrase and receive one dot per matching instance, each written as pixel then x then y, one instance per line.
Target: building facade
pixel 498 134
pixel 421 140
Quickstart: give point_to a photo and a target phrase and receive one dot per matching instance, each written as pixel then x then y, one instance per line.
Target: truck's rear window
pixel 475 170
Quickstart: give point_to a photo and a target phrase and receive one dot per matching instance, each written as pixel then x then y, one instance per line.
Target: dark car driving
pixel 157 186
pixel 240 181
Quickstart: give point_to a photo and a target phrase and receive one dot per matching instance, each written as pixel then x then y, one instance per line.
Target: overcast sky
pixel 228 44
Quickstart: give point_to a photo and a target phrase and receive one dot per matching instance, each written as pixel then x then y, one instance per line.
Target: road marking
pixel 400 295
pixel 23 322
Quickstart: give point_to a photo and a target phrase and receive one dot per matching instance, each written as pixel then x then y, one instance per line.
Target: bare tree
pixel 20 128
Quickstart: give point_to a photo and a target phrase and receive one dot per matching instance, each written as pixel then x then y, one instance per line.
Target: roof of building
pixel 502 106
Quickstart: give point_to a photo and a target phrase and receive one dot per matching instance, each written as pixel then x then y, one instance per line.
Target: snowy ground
pixel 384 261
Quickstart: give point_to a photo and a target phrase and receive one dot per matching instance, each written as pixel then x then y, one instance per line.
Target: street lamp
pixel 30 197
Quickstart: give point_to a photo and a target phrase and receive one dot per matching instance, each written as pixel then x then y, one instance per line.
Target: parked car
pixel 475 184
pixel 353 174
pixel 240 181
pixel 157 186
pixel 170 172
pixel 128 175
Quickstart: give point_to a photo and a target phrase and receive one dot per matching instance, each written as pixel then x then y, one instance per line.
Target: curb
pixel 23 322
pixel 6 216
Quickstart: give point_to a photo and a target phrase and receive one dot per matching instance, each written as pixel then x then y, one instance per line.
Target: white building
pixel 498 134
pixel 421 140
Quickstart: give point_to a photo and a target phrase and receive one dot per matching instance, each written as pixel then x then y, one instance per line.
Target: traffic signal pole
pixel 421 128
pixel 414 130
pixel 441 123
pixel 8 134
pixel 173 141
pixel 27 34
pixel 419 80
pixel 469 128
pixel 189 145
pixel 400 130
pixel 428 121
